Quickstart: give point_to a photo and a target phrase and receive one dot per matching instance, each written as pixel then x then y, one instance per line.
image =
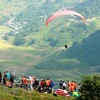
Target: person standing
pixel 11 81
pixel 0 77
pixel 26 83
pixel 4 78
pixel 7 78
pixel 30 79
pixel 8 75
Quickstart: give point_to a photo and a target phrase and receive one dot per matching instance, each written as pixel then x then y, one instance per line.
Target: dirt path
pixel 92 19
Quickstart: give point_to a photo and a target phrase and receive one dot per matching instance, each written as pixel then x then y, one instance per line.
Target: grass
pixel 72 60
pixel 21 94
pixel 57 75
pixel 4 44
pixel 22 60
pixel 4 29
pixel 40 61
pixel 97 23
pixel 12 7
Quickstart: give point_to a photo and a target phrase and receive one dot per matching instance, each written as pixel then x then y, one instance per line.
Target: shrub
pixel 90 90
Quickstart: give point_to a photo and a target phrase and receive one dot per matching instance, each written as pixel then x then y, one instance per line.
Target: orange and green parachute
pixel 63 12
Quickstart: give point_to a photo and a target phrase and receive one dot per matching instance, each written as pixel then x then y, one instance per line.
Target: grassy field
pixel 4 29
pixel 13 7
pixel 23 59
pixel 21 94
pixel 42 62
pixel 19 58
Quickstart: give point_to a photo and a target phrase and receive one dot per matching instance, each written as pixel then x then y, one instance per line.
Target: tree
pixel 90 90
pixel 30 42
pixel 52 42
pixel 19 40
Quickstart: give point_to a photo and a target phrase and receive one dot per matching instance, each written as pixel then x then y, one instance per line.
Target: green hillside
pixel 81 58
pixel 21 94
pixel 87 51
pixel 39 50
pixel 90 8
pixel 32 20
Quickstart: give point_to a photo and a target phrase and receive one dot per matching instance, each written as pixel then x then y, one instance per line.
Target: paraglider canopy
pixel 63 12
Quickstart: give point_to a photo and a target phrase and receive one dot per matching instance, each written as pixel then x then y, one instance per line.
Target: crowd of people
pixel 40 85
pixel 33 83
pixel 6 79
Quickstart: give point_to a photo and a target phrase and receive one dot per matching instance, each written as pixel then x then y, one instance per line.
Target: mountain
pixel 90 8
pixel 30 21
pixel 80 58
pixel 33 16
pixel 40 50
pixel 88 51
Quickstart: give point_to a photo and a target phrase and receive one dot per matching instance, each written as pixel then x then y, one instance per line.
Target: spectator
pixel 61 83
pixel 0 77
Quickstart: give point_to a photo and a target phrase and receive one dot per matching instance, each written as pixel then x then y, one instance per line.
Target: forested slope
pixel 90 8
pixel 88 51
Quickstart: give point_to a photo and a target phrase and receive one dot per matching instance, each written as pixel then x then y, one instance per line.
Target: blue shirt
pixel 8 75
